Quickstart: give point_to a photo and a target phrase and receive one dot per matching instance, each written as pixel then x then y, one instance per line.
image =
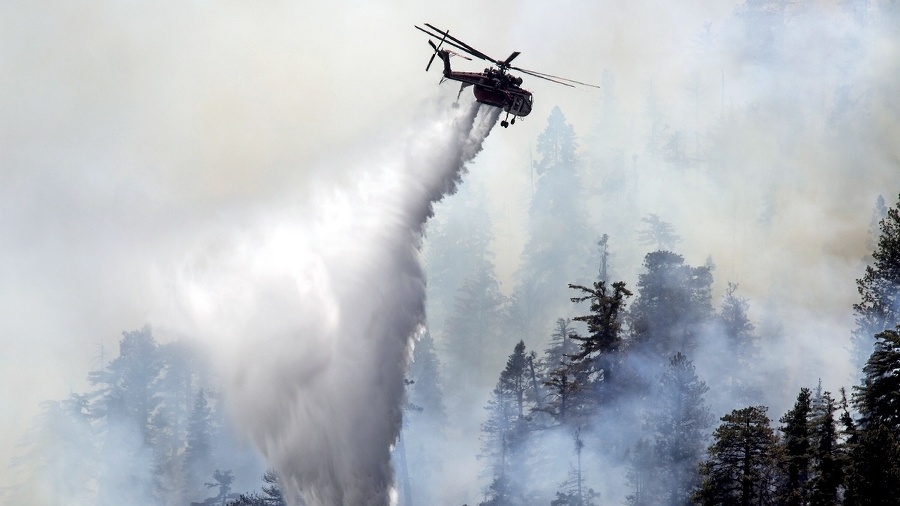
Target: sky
pixel 132 128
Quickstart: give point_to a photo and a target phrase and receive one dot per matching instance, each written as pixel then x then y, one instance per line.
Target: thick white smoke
pixel 311 310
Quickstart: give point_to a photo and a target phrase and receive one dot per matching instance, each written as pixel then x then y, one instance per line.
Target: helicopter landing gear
pixel 505 123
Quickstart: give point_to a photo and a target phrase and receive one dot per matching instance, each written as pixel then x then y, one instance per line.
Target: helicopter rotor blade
pixel 465 47
pixel 551 77
pixel 511 58
pixel 450 40
pixel 504 65
pixel 432 55
pixel 535 74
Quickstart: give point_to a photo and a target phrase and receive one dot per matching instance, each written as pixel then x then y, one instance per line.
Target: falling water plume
pixel 311 315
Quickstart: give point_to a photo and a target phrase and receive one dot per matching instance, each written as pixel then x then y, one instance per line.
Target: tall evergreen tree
pixel 222 481
pixel 740 362
pixel 678 422
pixel 423 434
pixel 457 248
pixel 505 433
pixel 573 491
pixel 827 452
pixel 562 345
pixel 641 474
pixel 559 245
pixel 874 478
pixel 672 306
pixel 126 399
pixel 658 233
pixel 740 465
pixel 796 451
pixel 473 332
pixel 198 460
pixel 878 213
pixel 593 365
pixel 128 386
pixel 425 391
pixel 878 398
pixel 879 289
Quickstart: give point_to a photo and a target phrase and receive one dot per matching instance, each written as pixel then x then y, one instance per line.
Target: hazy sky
pixel 130 128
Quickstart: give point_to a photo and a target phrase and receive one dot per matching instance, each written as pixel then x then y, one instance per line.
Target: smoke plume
pixel 311 314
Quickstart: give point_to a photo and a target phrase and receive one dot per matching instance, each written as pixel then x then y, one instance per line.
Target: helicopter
pixel 494 85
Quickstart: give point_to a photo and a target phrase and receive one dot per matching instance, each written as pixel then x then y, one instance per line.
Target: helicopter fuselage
pixel 493 87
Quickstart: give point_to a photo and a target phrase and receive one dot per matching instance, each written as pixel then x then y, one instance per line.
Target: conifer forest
pixel 625 321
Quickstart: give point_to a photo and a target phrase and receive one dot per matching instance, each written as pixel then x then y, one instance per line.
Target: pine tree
pixel 128 392
pixel 457 249
pixel 271 491
pixel 874 477
pixel 879 289
pixel 573 491
pixel 505 433
pixel 555 372
pixel 878 398
pixel 198 457
pixel 424 424
pixel 125 401
pixel 797 448
pixel 678 422
pixel 642 465
pixel 827 453
pixel 878 213
pixel 559 244
pixel 515 380
pixel 594 362
pixel 562 345
pixel 740 465
pixel 222 482
pixel 271 494
pixel 874 474
pixel 659 233
pixel 425 373
pixel 743 344
pixel 673 303
pixel 473 331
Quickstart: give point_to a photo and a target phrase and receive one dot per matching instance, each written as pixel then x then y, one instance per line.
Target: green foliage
pixel 879 288
pixel 506 432
pixel 878 398
pixel 678 423
pixel 673 303
pixel 604 323
pixel 796 451
pixel 827 453
pixel 874 473
pixel 740 466
pixel 591 367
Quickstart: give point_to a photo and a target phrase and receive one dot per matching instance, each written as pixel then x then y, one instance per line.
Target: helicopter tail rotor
pixel 436 49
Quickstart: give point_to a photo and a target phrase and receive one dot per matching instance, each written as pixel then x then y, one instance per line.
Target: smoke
pixel 310 311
